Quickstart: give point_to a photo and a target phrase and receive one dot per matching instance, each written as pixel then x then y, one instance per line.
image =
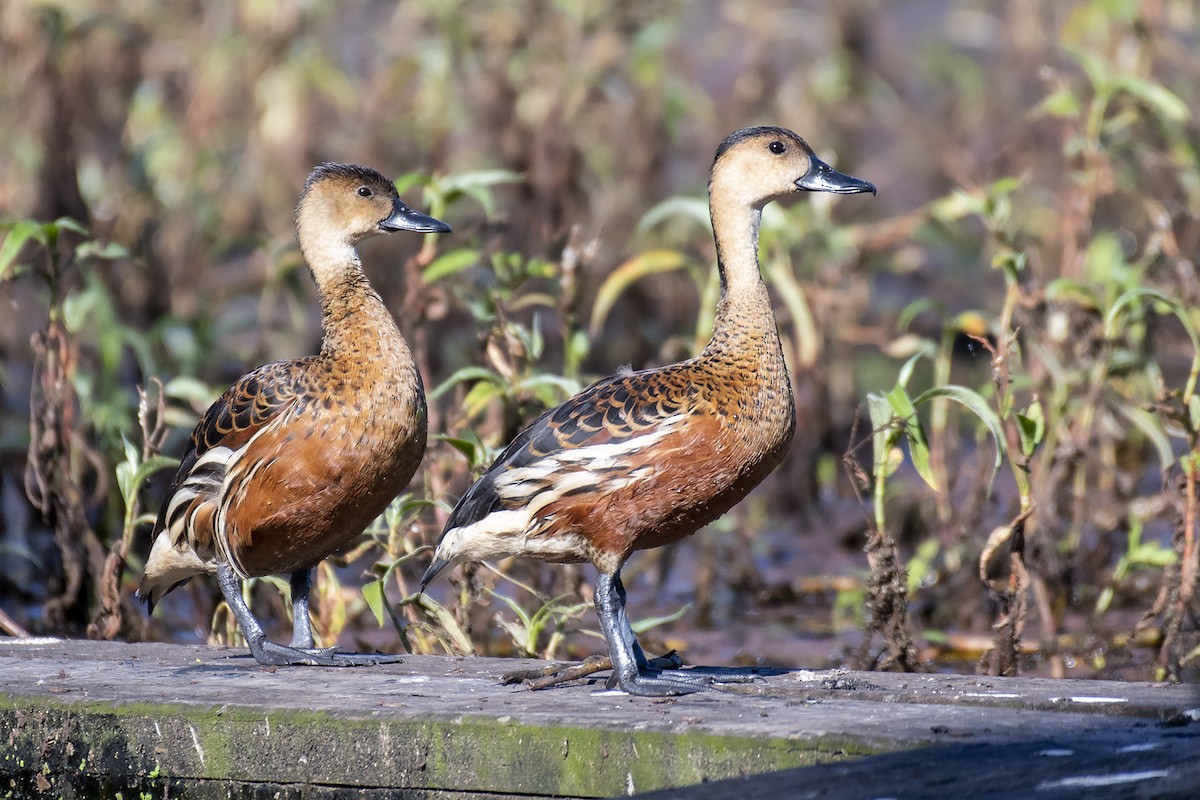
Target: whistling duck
pixel 293 461
pixel 642 459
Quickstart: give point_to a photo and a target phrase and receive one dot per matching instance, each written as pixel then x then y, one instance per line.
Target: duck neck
pixel 353 316
pixel 744 308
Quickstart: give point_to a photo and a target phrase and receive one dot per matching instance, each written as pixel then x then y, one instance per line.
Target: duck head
pixel 754 166
pixel 342 204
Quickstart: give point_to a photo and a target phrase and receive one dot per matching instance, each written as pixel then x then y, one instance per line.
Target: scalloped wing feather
pixel 618 409
pixel 245 409
pixel 595 445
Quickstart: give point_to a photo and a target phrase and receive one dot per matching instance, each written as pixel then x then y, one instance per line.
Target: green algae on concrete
pixel 146 744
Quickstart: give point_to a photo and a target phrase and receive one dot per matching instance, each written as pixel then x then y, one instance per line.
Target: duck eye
pixel 363 191
pixel 776 147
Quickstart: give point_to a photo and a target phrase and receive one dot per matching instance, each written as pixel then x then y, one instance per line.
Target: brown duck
pixel 293 461
pixel 642 459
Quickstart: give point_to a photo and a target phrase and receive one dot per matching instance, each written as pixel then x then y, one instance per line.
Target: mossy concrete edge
pixel 131 742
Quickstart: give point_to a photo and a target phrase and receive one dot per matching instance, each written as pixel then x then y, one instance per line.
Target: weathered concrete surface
pixel 81 718
pixel 1161 765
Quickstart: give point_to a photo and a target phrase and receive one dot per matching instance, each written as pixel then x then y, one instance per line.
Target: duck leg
pixel 302 635
pixel 669 664
pixel 273 654
pixel 630 667
pixel 660 663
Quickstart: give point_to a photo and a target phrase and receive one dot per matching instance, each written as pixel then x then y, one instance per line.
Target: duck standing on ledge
pixel 297 457
pixel 642 459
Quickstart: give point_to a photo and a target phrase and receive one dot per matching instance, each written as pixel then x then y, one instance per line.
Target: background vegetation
pixel 1030 259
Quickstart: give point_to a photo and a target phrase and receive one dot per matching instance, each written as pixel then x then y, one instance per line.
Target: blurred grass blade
pixel 1165 103
pixel 651 262
pixel 1153 430
pixel 693 209
pixel 643 625
pixel 914 309
pixel 808 340
pixel 444 619
pixel 477 185
pixel 974 401
pixel 1110 325
pixel 465 374
pixel 1143 292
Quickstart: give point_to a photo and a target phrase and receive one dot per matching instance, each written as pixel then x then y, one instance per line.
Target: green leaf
pixel 1152 554
pixel 883 434
pixel 1142 292
pixel 1062 103
pixel 575 350
pixel 928 349
pixel 154 464
pixel 513 605
pixel 477 185
pixel 450 263
pixel 914 309
pixel 920 566
pixel 643 625
pixel 128 469
pixel 68 224
pixel 561 387
pixel 1104 600
pixel 465 374
pixel 467 447
pixel 914 431
pixel 22 231
pixel 108 251
pixel 1002 187
pixel 463 181
pixel 1031 424
pixel 975 402
pixel 1105 259
pixel 410 179
pixel 956 205
pixel 1067 290
pixel 480 395
pixel 190 389
pixel 373 593
pixel 124 472
pixel 971 322
pixel 651 262
pixel 1165 103
pixel 533 300
pixel 1093 66
pixel 1011 262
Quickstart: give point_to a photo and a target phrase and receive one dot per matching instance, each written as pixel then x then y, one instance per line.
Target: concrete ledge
pixel 81 718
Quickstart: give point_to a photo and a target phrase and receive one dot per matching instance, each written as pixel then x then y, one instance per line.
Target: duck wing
pixel 596 445
pixel 616 416
pixel 246 409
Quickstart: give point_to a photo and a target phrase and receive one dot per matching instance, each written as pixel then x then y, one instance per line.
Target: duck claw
pixel 271 654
